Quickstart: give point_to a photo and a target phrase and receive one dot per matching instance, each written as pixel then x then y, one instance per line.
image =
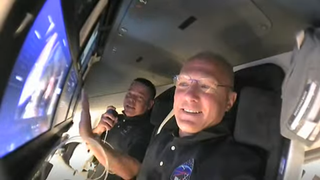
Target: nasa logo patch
pixel 183 172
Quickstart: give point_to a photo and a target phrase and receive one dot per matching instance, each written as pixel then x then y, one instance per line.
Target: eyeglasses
pixel 205 84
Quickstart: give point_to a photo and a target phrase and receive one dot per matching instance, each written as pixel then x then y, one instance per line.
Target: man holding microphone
pixel 129 133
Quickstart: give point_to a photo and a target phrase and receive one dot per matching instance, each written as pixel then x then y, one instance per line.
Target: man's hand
pixel 121 164
pixel 85 128
pixel 107 121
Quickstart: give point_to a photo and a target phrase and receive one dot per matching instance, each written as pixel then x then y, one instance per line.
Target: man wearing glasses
pixel 202 146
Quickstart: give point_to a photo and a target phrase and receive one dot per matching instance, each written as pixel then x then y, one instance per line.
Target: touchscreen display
pixel 65 99
pixel 36 80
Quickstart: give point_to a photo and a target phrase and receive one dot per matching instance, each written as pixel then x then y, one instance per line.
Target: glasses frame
pixel 176 79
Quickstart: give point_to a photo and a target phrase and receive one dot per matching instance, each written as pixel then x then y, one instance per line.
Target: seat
pixel 257 113
pixel 258 124
pixel 163 104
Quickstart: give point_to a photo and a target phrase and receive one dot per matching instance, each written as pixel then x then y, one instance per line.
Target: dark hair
pixel 149 85
pixel 216 58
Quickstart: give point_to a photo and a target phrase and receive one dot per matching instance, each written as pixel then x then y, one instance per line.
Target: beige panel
pixel 5 6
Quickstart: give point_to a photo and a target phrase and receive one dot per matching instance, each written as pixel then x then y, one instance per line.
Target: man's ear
pixel 150 105
pixel 231 100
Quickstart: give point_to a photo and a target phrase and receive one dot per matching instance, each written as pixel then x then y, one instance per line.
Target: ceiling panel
pixel 146 40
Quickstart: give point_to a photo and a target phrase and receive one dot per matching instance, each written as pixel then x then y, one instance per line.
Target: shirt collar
pixel 143 117
pixel 220 130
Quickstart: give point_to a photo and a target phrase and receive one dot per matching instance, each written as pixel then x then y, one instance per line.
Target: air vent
pixel 186 23
pixel 139 59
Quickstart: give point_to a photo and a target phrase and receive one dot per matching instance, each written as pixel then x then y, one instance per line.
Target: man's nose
pixel 132 99
pixel 192 93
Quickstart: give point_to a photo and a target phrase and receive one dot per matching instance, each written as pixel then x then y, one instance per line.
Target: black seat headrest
pixel 265 76
pixel 258 124
pixel 163 104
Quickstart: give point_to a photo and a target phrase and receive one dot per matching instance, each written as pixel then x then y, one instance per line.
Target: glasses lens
pixel 182 81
